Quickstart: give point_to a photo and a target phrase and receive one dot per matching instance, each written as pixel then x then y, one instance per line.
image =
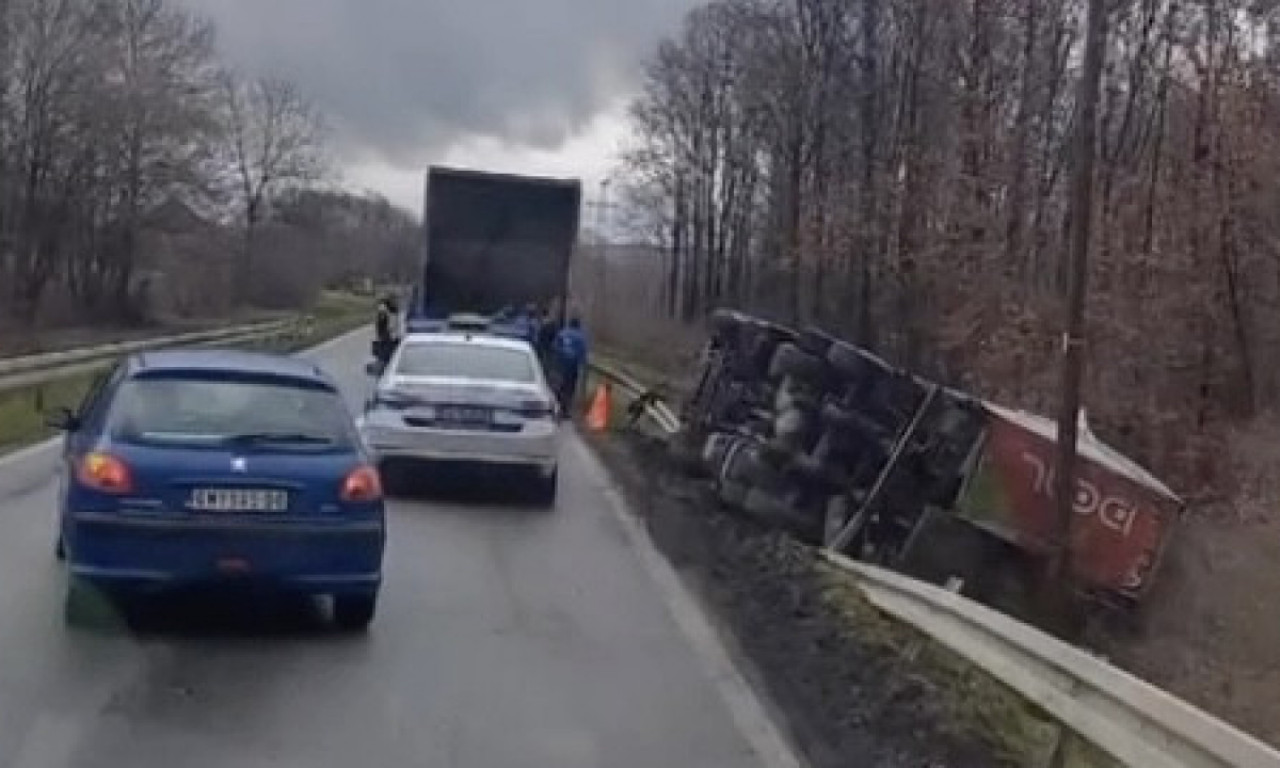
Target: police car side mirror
pixel 375 368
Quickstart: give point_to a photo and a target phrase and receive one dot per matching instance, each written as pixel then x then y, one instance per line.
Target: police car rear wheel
pixel 544 489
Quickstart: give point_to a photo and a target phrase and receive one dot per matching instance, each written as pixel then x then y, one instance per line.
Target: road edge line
pixel 27 451
pixel 749 712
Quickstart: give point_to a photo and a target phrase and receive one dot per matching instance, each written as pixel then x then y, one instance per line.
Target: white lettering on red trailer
pixel 1114 512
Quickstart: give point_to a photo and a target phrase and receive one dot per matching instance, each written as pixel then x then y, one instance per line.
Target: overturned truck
pixel 811 433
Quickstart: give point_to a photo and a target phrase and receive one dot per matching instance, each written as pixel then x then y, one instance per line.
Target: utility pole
pixel 1073 341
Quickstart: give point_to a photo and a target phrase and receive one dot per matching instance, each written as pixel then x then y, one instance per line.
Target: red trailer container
pixel 1124 515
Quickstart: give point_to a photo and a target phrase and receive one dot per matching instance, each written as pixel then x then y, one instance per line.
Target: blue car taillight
pixel 106 474
pixel 362 485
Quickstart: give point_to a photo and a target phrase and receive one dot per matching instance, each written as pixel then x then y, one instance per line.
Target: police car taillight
pixel 536 409
pixel 391 399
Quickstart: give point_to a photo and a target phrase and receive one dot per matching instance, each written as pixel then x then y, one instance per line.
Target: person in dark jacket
pixel 532 321
pixel 570 353
pixel 548 329
pixel 382 322
pixel 384 329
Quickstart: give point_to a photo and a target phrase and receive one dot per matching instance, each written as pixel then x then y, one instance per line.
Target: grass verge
pixel 22 411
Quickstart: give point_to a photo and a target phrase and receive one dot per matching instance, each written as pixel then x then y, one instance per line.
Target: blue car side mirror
pixel 62 419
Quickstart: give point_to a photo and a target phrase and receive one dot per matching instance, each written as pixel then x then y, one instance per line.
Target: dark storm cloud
pixel 404 78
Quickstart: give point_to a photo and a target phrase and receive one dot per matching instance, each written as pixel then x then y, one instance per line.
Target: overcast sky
pixel 536 86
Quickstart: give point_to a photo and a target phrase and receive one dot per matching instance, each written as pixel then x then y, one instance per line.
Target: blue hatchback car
pixel 212 468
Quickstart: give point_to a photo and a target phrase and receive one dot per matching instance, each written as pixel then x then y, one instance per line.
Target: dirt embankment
pixel 856 689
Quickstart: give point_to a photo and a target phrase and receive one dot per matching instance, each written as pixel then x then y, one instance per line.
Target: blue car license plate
pixel 238 500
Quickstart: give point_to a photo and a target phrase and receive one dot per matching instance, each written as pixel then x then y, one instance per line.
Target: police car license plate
pixel 463 414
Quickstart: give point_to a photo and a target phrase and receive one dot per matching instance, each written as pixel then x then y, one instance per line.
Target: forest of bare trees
pixel 114 110
pixel 899 170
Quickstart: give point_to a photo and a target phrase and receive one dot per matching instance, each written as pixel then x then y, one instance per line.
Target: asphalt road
pixel 506 636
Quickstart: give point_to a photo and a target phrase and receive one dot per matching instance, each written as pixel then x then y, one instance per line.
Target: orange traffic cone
pixel 598 415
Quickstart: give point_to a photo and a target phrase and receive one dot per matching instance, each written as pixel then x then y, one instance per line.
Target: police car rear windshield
pixel 198 411
pixel 466 361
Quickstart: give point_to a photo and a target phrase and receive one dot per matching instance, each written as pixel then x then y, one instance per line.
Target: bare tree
pixel 55 44
pixel 274 139
pixel 157 121
pixel 109 111
pixel 898 170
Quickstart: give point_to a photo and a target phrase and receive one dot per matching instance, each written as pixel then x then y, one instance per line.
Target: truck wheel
pixel 819 475
pixel 815 341
pixel 839 419
pixel 793 432
pixel 794 394
pixel 750 357
pixel 726 322
pixel 716 450
pixel 755 468
pixel 790 360
pixel 854 364
pixel 766 507
pixel 743 464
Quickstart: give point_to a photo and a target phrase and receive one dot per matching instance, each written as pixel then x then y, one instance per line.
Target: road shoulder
pixel 753 715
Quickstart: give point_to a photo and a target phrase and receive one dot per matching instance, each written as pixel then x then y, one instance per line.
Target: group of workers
pixel 563 350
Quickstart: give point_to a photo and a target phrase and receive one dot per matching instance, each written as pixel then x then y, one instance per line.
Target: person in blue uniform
pixel 570 352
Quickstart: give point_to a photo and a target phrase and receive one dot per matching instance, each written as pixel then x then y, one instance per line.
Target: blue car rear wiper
pixel 257 438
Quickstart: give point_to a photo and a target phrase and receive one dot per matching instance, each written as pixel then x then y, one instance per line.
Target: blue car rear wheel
pixel 354 612
pixel 86 605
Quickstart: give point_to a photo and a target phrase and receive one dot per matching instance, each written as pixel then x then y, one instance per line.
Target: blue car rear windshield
pixel 194 411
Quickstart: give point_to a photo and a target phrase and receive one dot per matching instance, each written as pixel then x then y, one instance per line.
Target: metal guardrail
pixel 32 370
pixel 1133 721
pixel 654 407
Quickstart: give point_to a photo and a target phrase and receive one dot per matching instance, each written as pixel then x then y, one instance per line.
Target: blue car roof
pixel 228 361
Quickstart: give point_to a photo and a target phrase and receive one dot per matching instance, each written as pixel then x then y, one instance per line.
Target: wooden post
pixel 1073 361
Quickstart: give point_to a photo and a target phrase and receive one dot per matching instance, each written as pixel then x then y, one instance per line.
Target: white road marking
pixel 21 454
pixel 749 713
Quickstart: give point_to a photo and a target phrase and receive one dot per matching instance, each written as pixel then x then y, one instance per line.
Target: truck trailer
pixel 494 242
